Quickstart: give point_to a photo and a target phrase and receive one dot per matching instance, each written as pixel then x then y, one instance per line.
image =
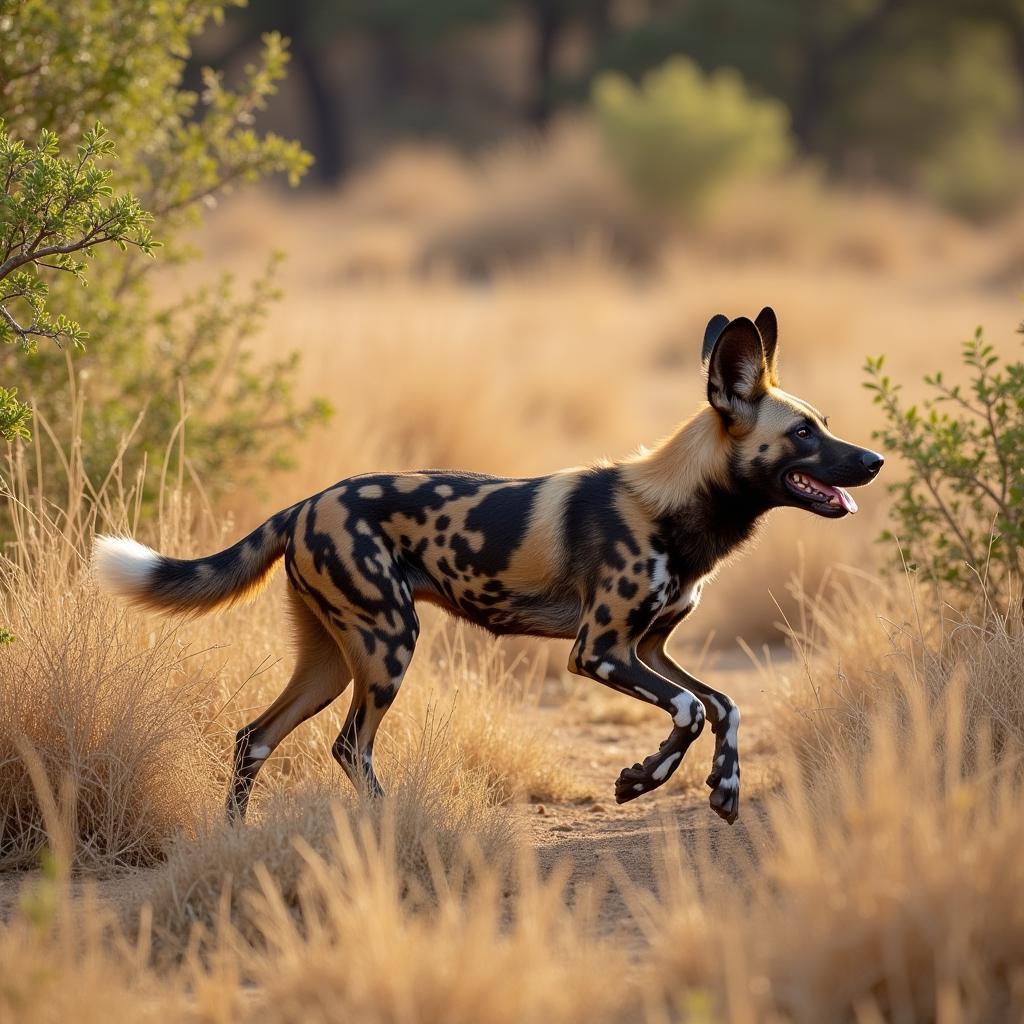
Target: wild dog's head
pixel 782 448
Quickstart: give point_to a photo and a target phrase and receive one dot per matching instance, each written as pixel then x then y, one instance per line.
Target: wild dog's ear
pixel 715 326
pixel 768 327
pixel 737 371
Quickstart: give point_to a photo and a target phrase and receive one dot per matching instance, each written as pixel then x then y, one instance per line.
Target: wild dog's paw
pixel 631 783
pixel 725 796
pixel 655 770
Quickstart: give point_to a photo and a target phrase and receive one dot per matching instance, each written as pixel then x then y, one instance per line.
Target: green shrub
pixel 65 66
pixel 959 510
pixel 681 136
pixel 54 212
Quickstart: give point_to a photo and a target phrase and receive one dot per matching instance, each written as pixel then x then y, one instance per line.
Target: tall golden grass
pixel 859 639
pixel 881 885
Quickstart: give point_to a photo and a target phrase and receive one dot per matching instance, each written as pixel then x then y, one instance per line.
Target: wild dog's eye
pixel 803 432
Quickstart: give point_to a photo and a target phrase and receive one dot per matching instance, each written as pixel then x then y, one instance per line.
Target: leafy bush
pixel 960 509
pixel 65 66
pixel 52 212
pixel 681 136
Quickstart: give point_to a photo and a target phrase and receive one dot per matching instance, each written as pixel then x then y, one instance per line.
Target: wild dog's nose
pixel 872 462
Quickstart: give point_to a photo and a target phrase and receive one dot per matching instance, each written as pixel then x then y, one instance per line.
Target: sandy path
pixel 601 838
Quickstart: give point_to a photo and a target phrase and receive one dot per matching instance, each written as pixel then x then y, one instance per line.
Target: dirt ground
pixel 603 840
pixel 591 837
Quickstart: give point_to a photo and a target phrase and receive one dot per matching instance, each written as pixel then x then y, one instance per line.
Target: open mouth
pixel 819 496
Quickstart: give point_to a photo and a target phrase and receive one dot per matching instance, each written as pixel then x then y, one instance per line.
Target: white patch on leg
pixel 604 670
pixel 732 733
pixel 123 566
pixel 682 703
pixel 260 753
pixel 646 694
pixel 661 772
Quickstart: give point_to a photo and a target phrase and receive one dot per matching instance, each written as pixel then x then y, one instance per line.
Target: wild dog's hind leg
pixel 320 675
pixel 379 654
pixel 722 713
pixel 606 655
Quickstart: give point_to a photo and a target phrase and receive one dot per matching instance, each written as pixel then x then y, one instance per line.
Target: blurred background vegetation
pixel 504 224
pixel 925 96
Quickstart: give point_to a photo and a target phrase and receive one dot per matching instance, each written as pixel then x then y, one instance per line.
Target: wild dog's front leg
pixel 723 714
pixel 621 669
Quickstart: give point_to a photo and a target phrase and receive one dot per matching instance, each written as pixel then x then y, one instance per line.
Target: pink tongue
pixel 844 496
pixel 845 499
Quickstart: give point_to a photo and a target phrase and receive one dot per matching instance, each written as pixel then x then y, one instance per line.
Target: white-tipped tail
pixel 151 580
pixel 124 566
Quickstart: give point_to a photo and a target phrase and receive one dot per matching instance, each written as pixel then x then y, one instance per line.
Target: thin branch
pixel 22 332
pixel 86 242
pixel 949 517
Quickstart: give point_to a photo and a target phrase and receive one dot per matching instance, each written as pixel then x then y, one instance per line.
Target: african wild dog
pixel 612 555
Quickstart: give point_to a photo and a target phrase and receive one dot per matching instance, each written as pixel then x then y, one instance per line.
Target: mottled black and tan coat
pixel 613 556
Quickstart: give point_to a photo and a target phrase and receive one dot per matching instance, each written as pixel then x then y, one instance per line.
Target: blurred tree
pixel 397 30
pixel 902 90
pixel 63 67
pixel 549 20
pixel 682 136
pixel 953 135
pixel 861 78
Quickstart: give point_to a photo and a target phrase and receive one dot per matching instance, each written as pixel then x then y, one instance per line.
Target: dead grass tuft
pixel 858 640
pixel 433 809
pixel 885 885
pixel 490 702
pixel 467 957
pixel 107 703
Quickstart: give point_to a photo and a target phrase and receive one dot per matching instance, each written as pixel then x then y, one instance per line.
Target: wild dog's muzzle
pixel 860 467
pixel 810 489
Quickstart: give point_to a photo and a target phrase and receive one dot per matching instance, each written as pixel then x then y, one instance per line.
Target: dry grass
pixel 107 704
pixel 491 699
pixel 882 889
pixel 434 808
pixel 116 719
pixel 464 962
pixel 859 639
pixel 67 960
pixel 887 886
pixel 351 936
pixel 888 870
pixel 882 885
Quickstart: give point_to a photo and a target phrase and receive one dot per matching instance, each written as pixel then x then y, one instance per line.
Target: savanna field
pixel 516 312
